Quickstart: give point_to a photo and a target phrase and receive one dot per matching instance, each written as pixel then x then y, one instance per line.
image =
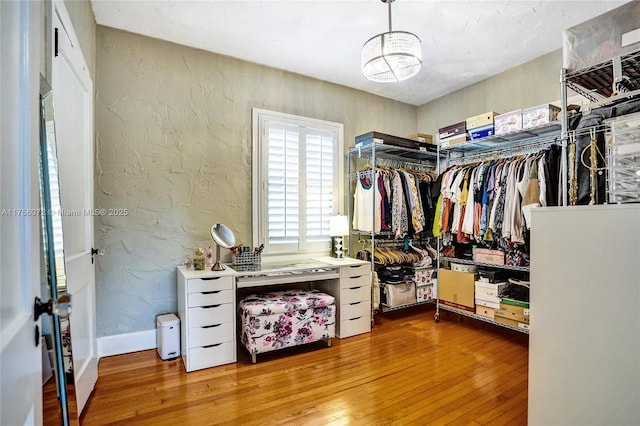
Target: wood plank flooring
pixel 409 370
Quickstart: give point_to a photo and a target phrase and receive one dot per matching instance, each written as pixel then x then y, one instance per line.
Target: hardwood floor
pixel 409 370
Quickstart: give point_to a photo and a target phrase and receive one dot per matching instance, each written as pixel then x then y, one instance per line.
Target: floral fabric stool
pixel 284 319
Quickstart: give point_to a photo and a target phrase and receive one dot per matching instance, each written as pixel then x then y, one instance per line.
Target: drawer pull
pixel 354 266
pixel 211 292
pixel 210 278
pixel 212 346
pixel 355 288
pixel 354 319
pixel 211 326
pixel 356 278
pixel 210 306
pixel 355 303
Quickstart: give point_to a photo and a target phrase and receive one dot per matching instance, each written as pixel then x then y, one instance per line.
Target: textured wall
pixel 173 147
pixel 533 83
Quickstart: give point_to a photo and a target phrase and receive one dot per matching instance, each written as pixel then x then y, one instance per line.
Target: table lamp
pixel 338 228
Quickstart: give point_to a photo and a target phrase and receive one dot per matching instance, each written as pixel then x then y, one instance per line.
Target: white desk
pixel 207 302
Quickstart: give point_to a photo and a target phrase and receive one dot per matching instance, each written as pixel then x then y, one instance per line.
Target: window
pixel 297 181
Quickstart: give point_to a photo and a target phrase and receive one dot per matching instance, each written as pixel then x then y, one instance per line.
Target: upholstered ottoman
pixel 284 319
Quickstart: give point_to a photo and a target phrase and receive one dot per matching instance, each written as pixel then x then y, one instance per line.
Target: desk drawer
pixel 356 281
pixel 212 334
pixel 201 285
pixel 203 357
pixel 355 270
pixel 355 309
pixel 214 297
pixel 354 326
pixel 210 315
pixel 355 294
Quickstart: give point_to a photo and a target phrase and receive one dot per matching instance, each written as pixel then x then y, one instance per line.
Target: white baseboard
pixel 125 343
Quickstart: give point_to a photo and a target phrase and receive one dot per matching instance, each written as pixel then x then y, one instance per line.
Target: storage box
pixel 511 322
pixel 491 276
pixel 454 140
pixel 485 311
pixel 480 295
pixel 452 130
pixel 514 313
pixel 400 294
pixel 168 336
pixel 487 304
pixel 508 122
pixel 424 293
pixel 384 139
pixel 481 132
pixel 539 115
pixel 490 289
pixel 423 276
pixel 457 289
pixel 611 34
pixel 480 120
pixel 494 257
pixel 421 137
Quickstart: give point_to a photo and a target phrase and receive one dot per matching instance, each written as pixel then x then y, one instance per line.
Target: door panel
pixel 20 356
pixel 73 98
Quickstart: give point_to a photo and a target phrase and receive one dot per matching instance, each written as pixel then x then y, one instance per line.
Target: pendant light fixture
pixel 391 56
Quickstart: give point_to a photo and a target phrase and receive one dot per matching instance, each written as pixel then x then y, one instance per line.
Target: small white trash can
pixel 168 336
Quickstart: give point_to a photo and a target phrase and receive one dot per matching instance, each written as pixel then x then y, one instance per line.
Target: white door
pixel 73 113
pixel 20 355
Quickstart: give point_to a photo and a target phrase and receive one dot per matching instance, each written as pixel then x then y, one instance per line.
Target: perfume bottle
pixel 209 258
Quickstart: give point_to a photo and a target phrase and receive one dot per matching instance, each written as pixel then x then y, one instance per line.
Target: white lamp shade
pixel 338 226
pixel 391 56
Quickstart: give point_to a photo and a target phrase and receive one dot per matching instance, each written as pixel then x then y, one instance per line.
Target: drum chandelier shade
pixel 391 56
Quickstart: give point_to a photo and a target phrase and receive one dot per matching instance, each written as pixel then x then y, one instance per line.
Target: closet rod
pixel 528 148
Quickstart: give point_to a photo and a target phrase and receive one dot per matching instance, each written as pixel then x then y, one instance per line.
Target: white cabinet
pixel 353 296
pixel 584 336
pixel 206 307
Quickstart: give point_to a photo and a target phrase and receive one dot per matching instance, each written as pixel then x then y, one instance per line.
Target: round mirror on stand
pixel 223 236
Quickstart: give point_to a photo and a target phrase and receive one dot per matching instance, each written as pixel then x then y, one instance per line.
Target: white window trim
pixel 258 178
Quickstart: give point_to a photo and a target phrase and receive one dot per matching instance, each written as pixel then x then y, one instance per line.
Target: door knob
pixel 61 307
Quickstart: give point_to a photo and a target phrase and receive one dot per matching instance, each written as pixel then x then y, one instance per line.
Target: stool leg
pixel 328 342
pixel 253 358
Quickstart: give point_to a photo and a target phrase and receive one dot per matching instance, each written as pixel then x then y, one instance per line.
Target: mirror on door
pixel 59 399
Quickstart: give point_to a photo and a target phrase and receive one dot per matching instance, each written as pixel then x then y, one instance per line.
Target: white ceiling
pixel 463 42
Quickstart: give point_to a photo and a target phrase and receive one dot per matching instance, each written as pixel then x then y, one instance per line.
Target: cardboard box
pixel 539 115
pixel 487 297
pixel 494 257
pixel 509 122
pixel 485 311
pixel 452 130
pixel 485 303
pixel 480 120
pixel 514 313
pixel 481 132
pixel 421 137
pixel 457 288
pixel 511 322
pixel 454 140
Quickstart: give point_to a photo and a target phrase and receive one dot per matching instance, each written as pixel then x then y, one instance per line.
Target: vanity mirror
pixel 223 236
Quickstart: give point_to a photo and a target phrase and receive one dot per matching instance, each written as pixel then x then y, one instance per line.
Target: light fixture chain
pixel 389 3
